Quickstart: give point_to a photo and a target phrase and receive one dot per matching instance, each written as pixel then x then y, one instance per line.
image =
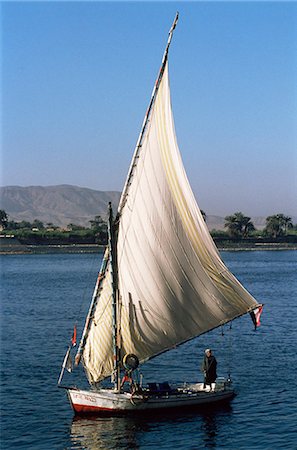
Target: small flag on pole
pixel 255 315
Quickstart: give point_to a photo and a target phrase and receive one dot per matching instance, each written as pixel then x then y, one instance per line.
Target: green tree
pixel 97 223
pixel 239 225
pixel 12 225
pixel 74 227
pixel 99 226
pixel 3 219
pixel 38 224
pixel 51 226
pixel 287 223
pixel 277 225
pixel 24 224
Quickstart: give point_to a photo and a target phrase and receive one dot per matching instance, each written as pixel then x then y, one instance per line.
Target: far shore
pixel 19 249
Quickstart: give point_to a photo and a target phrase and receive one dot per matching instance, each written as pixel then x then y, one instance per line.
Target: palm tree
pixel 287 222
pixel 278 225
pixel 248 227
pixel 239 225
pixel 99 226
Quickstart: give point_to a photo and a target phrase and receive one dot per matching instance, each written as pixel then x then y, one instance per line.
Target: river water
pixel 43 295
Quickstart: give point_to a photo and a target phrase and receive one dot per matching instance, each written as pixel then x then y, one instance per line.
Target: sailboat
pixel 161 282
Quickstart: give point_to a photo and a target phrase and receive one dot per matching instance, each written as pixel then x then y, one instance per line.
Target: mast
pixel 110 253
pixel 146 118
pixel 109 258
pixel 113 272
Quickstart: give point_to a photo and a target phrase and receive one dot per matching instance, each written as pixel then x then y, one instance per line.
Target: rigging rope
pixel 226 347
pixel 85 292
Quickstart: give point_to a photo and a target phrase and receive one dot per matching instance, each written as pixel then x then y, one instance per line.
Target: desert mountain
pixel 59 205
pixel 66 204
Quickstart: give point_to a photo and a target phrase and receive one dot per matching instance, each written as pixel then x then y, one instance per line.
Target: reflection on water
pixel 105 433
pixel 95 433
pixel 211 430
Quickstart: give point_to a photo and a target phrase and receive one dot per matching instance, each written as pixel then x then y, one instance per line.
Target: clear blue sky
pixel 77 79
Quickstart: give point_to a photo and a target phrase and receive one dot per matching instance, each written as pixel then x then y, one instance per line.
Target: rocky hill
pixel 59 205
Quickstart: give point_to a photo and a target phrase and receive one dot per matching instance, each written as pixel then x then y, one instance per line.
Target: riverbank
pixel 257 247
pixel 12 246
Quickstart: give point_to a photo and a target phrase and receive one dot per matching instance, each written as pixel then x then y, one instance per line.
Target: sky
pixel 77 79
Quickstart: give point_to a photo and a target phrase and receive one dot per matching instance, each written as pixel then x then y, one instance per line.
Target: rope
pixel 94 260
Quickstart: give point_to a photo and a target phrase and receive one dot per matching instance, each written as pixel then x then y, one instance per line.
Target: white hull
pixel 110 401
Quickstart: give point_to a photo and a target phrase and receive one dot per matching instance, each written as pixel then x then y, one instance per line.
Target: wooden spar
pixel 146 118
pixel 64 365
pixel 113 273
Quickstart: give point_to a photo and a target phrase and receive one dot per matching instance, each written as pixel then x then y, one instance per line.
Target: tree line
pixel 240 226
pixel 237 225
pixel 39 231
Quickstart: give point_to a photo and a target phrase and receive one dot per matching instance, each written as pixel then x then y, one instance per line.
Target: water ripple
pixel 41 295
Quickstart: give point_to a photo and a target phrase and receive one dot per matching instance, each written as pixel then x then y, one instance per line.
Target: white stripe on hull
pixel 110 401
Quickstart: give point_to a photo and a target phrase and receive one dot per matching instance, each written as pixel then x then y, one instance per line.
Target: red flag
pixel 73 339
pixel 256 314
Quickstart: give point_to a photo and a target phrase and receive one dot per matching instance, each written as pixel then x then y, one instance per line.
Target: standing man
pixel 209 368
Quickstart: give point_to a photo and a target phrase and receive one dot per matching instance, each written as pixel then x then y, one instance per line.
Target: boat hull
pixel 106 401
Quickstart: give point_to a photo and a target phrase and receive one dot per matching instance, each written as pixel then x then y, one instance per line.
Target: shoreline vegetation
pixel 240 235
pixel 10 245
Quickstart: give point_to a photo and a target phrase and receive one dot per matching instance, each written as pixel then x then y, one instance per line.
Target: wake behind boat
pixel 161 283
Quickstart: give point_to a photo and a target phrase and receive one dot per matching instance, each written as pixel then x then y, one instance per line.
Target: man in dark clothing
pixel 209 368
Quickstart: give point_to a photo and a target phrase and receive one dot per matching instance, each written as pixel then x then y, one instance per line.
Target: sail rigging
pixel 171 282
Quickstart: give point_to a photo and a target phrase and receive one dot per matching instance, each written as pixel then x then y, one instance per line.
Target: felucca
pixel 161 283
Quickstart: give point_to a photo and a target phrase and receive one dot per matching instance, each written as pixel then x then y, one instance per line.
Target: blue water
pixel 43 295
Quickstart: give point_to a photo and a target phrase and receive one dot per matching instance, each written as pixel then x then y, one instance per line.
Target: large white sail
pixel 172 282
pixel 97 352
